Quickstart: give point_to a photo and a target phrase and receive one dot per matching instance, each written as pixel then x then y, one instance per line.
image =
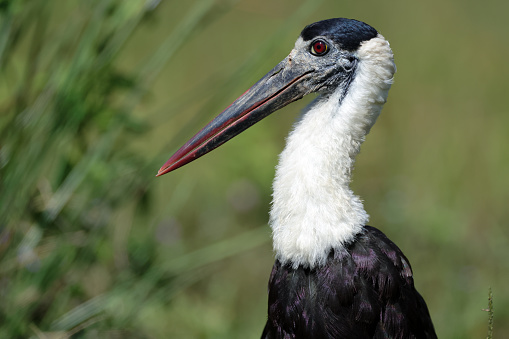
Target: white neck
pixel 313 209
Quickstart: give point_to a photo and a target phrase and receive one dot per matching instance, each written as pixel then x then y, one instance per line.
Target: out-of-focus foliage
pixel 72 185
pixel 94 95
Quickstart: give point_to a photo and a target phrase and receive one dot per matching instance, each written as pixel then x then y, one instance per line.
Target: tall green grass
pixel 68 171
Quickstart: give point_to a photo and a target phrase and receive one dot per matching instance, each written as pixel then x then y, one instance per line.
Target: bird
pixel 334 276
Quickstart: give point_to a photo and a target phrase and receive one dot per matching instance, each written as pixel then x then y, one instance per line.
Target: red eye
pixel 319 48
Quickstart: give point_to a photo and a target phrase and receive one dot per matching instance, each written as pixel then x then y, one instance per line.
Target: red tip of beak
pixel 183 156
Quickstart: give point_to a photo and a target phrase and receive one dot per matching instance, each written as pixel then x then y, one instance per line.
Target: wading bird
pixel 334 277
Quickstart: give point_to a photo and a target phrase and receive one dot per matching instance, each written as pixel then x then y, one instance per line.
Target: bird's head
pixel 324 59
pixel 328 51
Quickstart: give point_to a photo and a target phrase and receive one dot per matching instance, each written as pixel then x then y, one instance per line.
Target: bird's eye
pixel 319 48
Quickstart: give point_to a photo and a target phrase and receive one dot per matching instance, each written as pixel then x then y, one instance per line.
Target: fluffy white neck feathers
pixel 313 209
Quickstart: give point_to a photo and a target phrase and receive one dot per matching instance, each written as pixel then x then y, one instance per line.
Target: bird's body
pixel 334 277
pixel 364 290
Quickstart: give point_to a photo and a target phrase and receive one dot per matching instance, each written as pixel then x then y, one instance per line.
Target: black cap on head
pixel 348 33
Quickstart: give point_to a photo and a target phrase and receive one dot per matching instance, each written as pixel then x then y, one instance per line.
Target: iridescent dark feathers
pixel 364 291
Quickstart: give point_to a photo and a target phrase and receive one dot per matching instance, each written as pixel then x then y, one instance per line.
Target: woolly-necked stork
pixel 334 277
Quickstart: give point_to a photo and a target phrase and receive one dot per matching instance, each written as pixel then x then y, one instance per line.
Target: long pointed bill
pixel 281 86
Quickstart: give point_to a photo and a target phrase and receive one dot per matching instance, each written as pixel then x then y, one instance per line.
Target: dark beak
pixel 281 86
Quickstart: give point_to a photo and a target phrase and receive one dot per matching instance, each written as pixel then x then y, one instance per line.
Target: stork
pixel 334 276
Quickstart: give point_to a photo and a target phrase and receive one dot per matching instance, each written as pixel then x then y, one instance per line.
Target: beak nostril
pixel 276 72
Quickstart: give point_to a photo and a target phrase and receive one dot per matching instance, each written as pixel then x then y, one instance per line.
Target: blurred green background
pixel 96 95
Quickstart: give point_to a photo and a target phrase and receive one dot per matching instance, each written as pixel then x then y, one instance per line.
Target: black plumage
pixel 365 290
pixel 347 33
